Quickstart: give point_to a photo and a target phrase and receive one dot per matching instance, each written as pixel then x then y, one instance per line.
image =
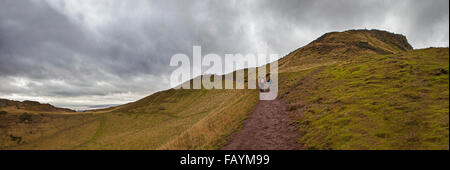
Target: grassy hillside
pixel 357 89
pixel 393 101
pixel 45 131
pixel 172 119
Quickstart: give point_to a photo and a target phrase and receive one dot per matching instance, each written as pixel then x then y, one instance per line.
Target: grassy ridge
pixel 343 46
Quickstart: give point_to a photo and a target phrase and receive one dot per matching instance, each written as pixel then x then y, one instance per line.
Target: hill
pixel 12 106
pixel 358 89
pixel 343 46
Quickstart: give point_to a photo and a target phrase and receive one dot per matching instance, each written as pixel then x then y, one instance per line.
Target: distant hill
pixel 29 106
pixel 357 89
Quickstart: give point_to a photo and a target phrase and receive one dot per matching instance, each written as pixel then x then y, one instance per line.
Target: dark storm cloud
pixel 94 51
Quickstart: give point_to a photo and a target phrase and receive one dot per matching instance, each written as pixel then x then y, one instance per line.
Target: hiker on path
pixel 263 85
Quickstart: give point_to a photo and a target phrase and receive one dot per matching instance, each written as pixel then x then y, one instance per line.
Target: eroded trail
pixel 269 127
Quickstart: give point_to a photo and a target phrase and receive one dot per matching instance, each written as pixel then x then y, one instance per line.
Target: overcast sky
pixel 77 53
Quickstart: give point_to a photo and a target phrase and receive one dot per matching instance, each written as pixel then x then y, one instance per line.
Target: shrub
pixel 17 139
pixel 25 118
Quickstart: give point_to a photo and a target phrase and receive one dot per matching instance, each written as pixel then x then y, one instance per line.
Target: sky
pixel 82 53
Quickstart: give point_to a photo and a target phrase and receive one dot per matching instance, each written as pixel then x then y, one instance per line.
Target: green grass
pixel 397 101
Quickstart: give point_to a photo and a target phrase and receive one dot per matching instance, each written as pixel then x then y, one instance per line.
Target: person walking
pixel 262 82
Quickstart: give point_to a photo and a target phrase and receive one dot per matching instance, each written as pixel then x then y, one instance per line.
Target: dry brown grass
pixel 172 119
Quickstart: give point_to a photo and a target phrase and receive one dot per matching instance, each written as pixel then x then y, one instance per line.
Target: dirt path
pixel 269 126
pixel 97 133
